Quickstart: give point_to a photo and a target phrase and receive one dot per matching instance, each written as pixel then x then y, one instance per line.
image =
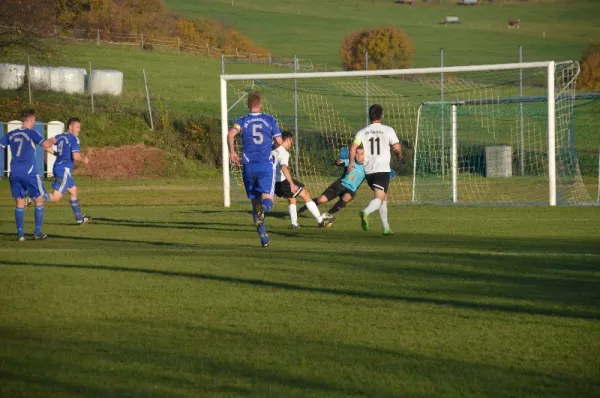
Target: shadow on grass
pixel 457 303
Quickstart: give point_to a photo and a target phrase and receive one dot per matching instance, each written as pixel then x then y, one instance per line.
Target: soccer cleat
pixel 364 223
pixel 40 237
pixel 295 226
pixel 387 232
pixel 84 220
pixel 260 215
pixel 326 223
pixel 264 240
pixel 21 239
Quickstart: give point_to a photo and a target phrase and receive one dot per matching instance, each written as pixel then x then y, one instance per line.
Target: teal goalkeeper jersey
pixel 353 179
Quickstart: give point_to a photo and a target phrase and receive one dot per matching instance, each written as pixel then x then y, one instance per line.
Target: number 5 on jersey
pixel 257 135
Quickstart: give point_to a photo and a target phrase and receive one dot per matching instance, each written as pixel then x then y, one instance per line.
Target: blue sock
pixel 76 210
pixel 39 219
pixel 262 230
pixel 20 220
pixel 267 205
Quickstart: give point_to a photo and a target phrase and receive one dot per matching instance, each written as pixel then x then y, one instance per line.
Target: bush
pixel 388 48
pixel 589 76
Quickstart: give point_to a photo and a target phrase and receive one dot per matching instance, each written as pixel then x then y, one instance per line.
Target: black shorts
pixel 379 181
pixel 337 189
pixel 284 190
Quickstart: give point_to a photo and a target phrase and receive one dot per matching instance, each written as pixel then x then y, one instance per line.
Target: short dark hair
pixel 26 113
pixel 360 147
pixel 287 135
pixel 375 112
pixel 254 99
pixel 72 120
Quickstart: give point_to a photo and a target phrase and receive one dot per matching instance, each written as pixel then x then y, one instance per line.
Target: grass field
pixel 315 29
pixel 168 294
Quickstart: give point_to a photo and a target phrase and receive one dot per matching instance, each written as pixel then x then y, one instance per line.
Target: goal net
pixel 490 134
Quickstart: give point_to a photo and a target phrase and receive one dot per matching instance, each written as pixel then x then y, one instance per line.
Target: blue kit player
pixel 67 153
pixel 343 188
pixel 258 131
pixel 24 177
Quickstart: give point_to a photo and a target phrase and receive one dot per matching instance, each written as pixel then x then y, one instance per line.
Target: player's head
pixel 287 139
pixel 27 117
pixel 74 126
pixel 375 113
pixel 360 154
pixel 254 102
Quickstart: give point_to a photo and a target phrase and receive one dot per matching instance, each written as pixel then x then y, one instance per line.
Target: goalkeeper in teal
pixel 345 187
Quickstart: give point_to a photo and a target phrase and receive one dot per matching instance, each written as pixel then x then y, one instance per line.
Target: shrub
pixel 388 48
pixel 589 76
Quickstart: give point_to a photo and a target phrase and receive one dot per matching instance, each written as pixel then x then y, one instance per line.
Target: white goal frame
pixel 550 83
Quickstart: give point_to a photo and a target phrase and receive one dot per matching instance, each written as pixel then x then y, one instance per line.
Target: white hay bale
pixel 68 80
pixel 39 76
pixel 12 76
pixel 107 82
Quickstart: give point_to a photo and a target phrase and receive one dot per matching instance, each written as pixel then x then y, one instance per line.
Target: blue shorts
pixel 62 179
pixel 259 178
pixel 28 184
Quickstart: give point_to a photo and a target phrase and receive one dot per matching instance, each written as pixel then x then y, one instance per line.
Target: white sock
pixel 293 214
pixel 314 210
pixel 383 215
pixel 373 206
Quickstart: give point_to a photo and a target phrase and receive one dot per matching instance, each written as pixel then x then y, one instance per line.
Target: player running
pixel 376 138
pixel 258 172
pixel 67 153
pixel 343 188
pixel 287 187
pixel 24 177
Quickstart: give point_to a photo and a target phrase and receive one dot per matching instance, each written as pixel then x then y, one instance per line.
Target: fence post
pixel 91 87
pixel 207 49
pixel 222 63
pixel 178 44
pixel 521 113
pixel 98 36
pixel 142 39
pixel 270 60
pixel 148 100
pixel 28 74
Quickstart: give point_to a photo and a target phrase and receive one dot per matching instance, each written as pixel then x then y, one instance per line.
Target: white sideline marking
pixel 288 250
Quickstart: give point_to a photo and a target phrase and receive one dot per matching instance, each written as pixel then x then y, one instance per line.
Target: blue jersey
pixel 21 143
pixel 353 179
pixel 66 145
pixel 258 132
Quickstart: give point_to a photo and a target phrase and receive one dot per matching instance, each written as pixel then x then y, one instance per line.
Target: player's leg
pixel 80 217
pixel 312 206
pixel 341 203
pixel 36 190
pixel 265 184
pixel 18 189
pixel 293 212
pixel 379 183
pixel 383 215
pixel 328 194
pixel 59 185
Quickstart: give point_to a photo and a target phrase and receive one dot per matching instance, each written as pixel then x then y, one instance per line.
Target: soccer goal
pixel 486 134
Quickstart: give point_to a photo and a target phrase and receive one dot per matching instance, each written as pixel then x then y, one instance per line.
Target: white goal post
pixel 548 68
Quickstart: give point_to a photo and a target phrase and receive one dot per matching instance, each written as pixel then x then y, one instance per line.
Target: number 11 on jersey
pixel 374 140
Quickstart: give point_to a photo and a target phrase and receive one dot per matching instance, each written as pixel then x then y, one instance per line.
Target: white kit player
pixel 376 138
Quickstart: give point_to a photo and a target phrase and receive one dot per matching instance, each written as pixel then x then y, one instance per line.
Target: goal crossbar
pixel 550 67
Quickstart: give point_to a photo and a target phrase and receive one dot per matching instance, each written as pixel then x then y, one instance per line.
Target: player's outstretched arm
pixel 78 158
pixel 352 155
pixel 230 143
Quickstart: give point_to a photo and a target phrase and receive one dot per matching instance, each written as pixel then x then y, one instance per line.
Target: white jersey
pixel 377 139
pixel 281 157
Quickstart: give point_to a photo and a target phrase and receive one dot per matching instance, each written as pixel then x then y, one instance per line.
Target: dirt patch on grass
pixel 128 161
